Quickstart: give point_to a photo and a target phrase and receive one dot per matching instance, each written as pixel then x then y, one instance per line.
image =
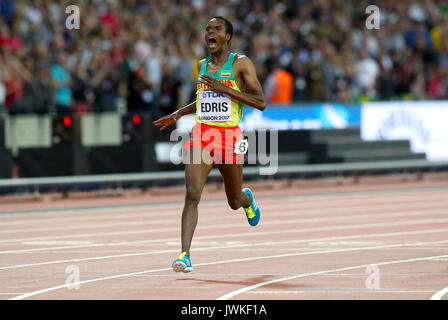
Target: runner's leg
pixel 195 178
pixel 232 173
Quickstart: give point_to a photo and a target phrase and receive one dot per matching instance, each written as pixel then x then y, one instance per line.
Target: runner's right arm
pixel 176 115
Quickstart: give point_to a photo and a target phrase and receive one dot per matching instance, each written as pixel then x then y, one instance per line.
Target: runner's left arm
pixel 254 93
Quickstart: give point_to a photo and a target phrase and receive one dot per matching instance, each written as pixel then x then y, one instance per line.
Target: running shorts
pixel 219 141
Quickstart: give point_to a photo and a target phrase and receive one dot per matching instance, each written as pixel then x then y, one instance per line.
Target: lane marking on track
pixel 66 243
pixel 439 294
pixel 305 210
pixel 34 293
pixel 10 293
pixel 342 243
pixel 353 290
pixel 243 290
pixel 220 226
pixel 375 235
pixel 328 195
pixel 303 220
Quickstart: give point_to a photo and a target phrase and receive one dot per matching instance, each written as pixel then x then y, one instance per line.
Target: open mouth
pixel 212 43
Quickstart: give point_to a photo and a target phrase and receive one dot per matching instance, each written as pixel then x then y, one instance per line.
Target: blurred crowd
pixel 141 55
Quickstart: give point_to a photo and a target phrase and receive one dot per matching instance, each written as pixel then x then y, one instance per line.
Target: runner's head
pixel 218 34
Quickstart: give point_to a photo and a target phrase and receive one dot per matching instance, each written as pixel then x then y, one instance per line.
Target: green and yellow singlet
pixel 214 108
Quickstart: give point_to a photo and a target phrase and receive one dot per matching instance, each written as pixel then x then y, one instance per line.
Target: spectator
pixel 367 72
pixel 2 89
pixel 405 72
pixel 316 83
pixel 437 84
pixel 42 91
pixel 83 95
pixel 386 83
pixel 61 84
pixel 169 97
pixel 111 18
pixel 103 81
pixel 418 90
pixel 7 9
pixel 26 103
pixel 186 77
pixel 324 47
pixel 279 86
pixel 13 81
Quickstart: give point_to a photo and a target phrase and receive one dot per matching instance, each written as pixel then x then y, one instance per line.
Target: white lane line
pixel 250 234
pixel 374 235
pixel 300 202
pixel 34 293
pixel 310 202
pixel 303 220
pixel 439 294
pixel 217 226
pixel 144 212
pixel 116 256
pixel 87 210
pixel 351 291
pixel 97 214
pixel 269 243
pixel 281 209
pixel 98 225
pixel 243 290
pixel 10 293
pixel 286 213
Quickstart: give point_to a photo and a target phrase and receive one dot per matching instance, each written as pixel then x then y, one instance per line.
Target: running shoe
pixel 182 263
pixel 252 212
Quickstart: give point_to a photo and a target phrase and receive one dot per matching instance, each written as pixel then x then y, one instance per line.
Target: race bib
pixel 214 106
pixel 241 147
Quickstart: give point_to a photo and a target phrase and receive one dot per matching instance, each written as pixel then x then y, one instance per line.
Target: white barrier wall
pixel 102 129
pixel 35 131
pixel 424 123
pixel 27 131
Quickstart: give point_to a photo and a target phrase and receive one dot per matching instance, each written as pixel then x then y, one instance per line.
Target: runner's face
pixel 215 35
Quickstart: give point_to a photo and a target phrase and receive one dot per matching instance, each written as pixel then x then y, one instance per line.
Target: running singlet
pixel 215 108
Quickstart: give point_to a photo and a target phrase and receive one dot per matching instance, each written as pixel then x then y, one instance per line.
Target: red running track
pixel 382 238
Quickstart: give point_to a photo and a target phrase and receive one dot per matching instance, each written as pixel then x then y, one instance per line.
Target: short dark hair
pixel 228 25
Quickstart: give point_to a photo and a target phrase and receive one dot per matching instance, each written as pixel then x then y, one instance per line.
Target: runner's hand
pixel 166 120
pixel 214 84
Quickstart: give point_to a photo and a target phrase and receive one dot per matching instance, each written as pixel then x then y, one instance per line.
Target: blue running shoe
pixel 182 263
pixel 252 212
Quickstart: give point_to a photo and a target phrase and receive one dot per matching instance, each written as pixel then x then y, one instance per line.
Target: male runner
pixel 226 81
